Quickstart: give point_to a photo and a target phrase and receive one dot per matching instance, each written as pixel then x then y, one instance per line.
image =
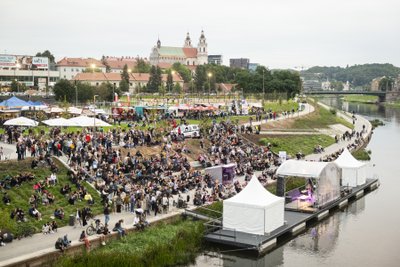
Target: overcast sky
pixel 275 33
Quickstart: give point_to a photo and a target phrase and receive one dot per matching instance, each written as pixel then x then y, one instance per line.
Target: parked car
pixel 191 130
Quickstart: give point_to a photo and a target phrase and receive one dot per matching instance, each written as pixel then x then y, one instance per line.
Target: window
pixel 72 70
pixel 97 84
pixel 77 70
pixel 65 76
pixel 65 69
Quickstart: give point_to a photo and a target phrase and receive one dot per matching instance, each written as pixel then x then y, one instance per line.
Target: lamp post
pixel 263 89
pixel 209 75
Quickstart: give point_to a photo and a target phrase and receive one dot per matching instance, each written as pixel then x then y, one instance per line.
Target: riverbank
pixel 366 99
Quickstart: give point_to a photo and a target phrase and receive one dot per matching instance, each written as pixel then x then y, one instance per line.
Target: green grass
pixel 321 118
pixel 297 143
pixel 376 122
pixel 367 99
pixel 20 196
pixel 362 154
pixel 162 245
pixel 280 106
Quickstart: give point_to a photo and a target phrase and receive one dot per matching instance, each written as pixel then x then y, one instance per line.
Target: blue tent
pixel 14 102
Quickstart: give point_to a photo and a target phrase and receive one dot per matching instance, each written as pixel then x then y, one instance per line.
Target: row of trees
pixel 357 75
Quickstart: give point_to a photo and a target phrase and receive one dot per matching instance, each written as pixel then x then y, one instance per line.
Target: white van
pixel 191 130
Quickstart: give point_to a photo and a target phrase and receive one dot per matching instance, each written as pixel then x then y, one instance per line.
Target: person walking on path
pixel 106 214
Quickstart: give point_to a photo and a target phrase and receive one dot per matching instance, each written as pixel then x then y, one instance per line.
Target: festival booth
pixel 58 122
pixel 21 121
pixel 322 184
pixel 13 103
pixel 354 172
pixel 223 173
pixel 83 121
pixel 254 210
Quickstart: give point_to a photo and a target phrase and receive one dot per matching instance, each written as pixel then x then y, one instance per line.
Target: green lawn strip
pixel 165 244
pixel 297 143
pixel 280 106
pixel 362 154
pixel 321 118
pixel 368 99
pixel 20 196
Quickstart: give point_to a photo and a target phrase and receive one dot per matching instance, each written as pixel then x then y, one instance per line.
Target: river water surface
pixel 366 233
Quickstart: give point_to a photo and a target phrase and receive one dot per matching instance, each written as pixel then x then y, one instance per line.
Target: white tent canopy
pixel 354 172
pixel 327 175
pixel 83 121
pixel 253 210
pixel 74 110
pixel 21 121
pixel 58 122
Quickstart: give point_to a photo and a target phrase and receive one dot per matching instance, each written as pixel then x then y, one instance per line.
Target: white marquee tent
pixel 21 121
pixel 83 121
pixel 354 172
pixel 58 122
pixel 326 174
pixel 254 210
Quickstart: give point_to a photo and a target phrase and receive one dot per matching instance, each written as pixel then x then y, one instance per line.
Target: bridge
pixel 380 94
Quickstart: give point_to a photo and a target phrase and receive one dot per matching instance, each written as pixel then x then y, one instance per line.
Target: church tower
pixel 188 42
pixel 202 53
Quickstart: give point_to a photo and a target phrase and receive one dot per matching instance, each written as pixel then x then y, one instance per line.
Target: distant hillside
pixel 357 75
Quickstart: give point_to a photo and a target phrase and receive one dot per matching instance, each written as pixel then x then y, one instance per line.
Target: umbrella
pixel 74 110
pixel 58 122
pixel 21 121
pixel 83 121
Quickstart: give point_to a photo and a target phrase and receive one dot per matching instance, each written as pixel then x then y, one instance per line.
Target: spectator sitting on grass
pixel 6 199
pixel 35 213
pixel 59 213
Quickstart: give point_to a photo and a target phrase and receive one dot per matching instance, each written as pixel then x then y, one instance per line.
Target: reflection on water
pixel 366 233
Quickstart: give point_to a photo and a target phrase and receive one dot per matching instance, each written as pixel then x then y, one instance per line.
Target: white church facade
pixel 187 55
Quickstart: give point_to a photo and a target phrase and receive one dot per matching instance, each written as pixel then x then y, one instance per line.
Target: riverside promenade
pixel 39 244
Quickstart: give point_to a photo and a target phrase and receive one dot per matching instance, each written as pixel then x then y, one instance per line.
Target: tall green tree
pixel 85 92
pixel 170 81
pixel 155 79
pixel 123 86
pixel 64 90
pixel 142 66
pixel 178 89
pixel 200 77
pixel 183 71
pixel 125 74
pixel 105 91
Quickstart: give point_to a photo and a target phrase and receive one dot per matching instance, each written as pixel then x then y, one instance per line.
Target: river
pixel 366 233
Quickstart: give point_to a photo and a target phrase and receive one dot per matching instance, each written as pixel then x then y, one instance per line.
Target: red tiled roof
pixel 79 62
pixel 190 52
pixel 140 77
pixel 164 65
pixel 116 63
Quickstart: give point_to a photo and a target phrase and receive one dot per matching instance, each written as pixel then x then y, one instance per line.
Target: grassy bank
pixel 20 197
pixel 162 245
pixel 295 143
pixel 367 99
pixel 375 123
pixel 321 118
pixel 362 154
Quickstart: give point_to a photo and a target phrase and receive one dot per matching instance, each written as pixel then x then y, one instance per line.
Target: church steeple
pixel 202 53
pixel 158 43
pixel 188 42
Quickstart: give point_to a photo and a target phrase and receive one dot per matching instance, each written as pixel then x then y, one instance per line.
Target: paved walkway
pixel 358 126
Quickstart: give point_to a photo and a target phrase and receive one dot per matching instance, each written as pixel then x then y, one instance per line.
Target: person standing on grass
pixel 106 214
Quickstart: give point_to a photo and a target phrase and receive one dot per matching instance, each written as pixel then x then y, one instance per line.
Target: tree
pixel 178 89
pixel 161 90
pixel 47 54
pixel 142 66
pixel 105 91
pixel 125 74
pixel 183 71
pixel 14 86
pixel 170 81
pixel 85 92
pixel 123 86
pixel 64 90
pixel 155 79
pixel 200 77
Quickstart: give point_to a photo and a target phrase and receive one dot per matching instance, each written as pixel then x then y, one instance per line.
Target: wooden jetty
pixel 296 221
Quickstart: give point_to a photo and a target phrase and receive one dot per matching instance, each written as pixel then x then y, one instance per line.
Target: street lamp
pixel 93 66
pixel 209 75
pixel 263 88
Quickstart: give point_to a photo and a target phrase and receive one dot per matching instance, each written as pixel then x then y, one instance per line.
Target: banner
pixel 8 61
pixel 40 62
